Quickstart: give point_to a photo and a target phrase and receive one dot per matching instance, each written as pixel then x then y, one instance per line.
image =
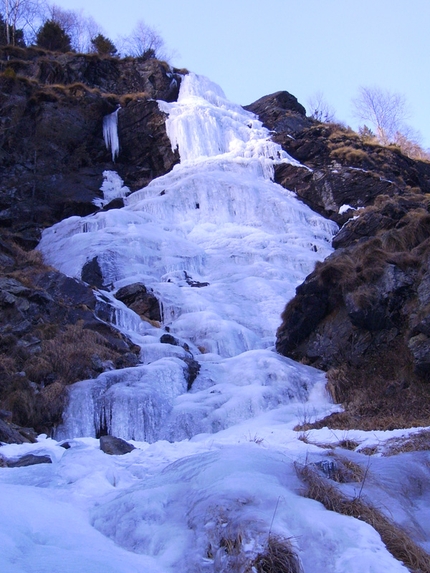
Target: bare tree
pixel 320 109
pixel 80 28
pixel 143 41
pixel 21 14
pixel 385 111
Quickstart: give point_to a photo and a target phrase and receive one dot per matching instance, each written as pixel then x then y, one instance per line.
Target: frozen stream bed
pixel 223 248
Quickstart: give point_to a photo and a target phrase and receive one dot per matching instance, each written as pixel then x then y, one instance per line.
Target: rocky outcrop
pixel 343 168
pixel 28 460
pixel 362 314
pixel 364 311
pixel 147 76
pixel 50 336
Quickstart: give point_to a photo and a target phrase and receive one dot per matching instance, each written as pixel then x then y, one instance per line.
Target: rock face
pixel 363 314
pixel 53 107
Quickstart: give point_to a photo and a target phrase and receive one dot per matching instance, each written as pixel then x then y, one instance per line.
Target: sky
pixel 252 48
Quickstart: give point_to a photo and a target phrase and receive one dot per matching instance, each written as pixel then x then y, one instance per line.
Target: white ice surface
pixel 216 461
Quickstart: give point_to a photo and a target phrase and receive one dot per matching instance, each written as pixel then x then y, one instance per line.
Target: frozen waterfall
pixel 216 220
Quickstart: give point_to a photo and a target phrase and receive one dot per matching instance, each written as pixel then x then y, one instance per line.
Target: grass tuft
pixel 278 556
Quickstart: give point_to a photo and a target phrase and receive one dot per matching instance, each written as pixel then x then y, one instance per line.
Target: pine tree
pixel 52 36
pixel 103 45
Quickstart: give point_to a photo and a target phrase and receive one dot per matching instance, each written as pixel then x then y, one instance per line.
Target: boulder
pixel 29 460
pixel 115 446
pixel 140 300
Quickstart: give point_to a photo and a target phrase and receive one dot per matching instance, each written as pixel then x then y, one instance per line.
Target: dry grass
pixel 346 470
pixel 350 155
pixel 70 354
pixel 278 556
pixel 397 541
pixel 125 99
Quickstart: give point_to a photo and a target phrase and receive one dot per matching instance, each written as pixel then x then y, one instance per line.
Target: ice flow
pixel 217 221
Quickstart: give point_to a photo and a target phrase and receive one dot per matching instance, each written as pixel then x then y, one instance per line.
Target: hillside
pixel 152 234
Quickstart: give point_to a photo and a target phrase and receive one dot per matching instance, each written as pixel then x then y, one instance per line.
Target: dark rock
pixel 303 314
pixel 29 460
pixel 169 339
pixel 365 309
pixel 28 434
pixel 92 273
pixel 117 203
pixel 65 445
pixel 192 371
pixel 9 435
pixel 281 112
pixel 192 283
pixel 142 302
pixel 419 346
pixel 14 287
pixel 52 152
pixel 6 416
pixel 345 169
pixel 127 360
pixel 115 446
pixel 145 149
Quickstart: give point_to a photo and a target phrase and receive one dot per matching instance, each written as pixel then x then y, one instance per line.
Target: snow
pixel 344 208
pixel 214 462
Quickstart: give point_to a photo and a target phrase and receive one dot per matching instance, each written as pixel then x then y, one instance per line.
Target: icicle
pixel 110 133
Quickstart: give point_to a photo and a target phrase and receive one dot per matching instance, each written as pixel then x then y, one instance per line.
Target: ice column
pixel 110 133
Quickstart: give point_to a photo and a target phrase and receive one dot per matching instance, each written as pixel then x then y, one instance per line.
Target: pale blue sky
pixel 253 48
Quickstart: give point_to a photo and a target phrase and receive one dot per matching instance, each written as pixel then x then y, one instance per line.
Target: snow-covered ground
pixel 213 464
